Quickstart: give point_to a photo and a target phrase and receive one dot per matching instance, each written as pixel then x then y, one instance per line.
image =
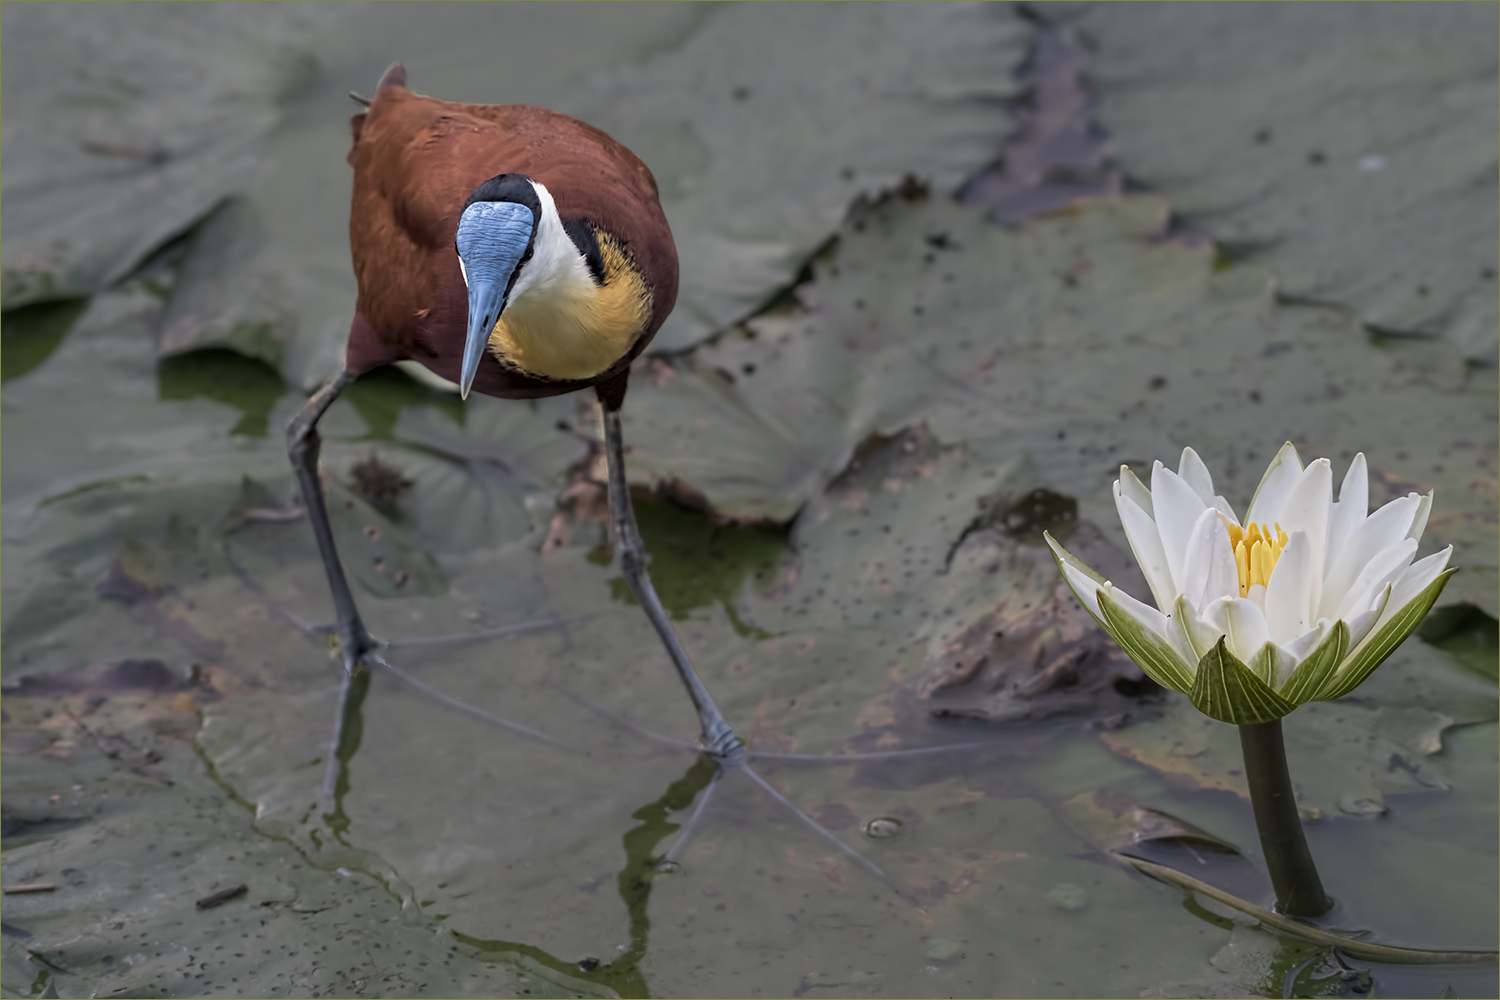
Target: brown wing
pixel 416 159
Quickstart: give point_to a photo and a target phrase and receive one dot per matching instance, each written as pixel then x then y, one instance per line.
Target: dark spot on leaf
pixel 380 485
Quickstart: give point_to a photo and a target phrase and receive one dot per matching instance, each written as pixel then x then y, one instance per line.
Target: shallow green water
pixel 824 491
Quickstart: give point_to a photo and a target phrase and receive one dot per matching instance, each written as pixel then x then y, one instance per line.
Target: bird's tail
pixel 395 76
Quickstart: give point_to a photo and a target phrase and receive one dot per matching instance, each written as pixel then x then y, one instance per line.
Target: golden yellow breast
pixel 580 332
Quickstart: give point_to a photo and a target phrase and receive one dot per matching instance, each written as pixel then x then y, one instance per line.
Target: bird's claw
pixel 355 645
pixel 724 746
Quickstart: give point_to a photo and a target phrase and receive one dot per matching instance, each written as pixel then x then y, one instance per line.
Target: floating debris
pixel 221 897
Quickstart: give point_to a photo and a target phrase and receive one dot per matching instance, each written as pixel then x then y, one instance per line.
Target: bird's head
pixel 496 244
pixel 511 243
pixel 556 297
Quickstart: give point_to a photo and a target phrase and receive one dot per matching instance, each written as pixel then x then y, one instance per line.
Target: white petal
pixel 1085 589
pixel 1374 535
pixel 1353 504
pixel 1193 472
pixel 1289 592
pixel 1145 542
pixel 1256 595
pixel 1196 474
pixel 1133 488
pixel 1386 568
pixel 1084 582
pixel 1360 624
pixel 1284 665
pixel 1274 486
pixel 1222 506
pixel 1177 508
pixel 1216 616
pixel 1306 508
pixel 1308 641
pixel 1417 578
pixel 1419 523
pixel 1198 562
pixel 1246 630
pixel 1182 638
pixel 1197 635
pixel 1143 613
pixel 1210 567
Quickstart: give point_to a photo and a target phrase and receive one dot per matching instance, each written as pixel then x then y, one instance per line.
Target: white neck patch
pixel 556 268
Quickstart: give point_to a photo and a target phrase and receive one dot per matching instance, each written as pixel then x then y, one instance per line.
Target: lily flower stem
pixel 1299 891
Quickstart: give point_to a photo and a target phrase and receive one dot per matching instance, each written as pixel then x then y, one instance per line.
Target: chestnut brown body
pixel 416 159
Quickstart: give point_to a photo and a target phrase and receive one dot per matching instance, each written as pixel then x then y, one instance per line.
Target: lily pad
pixel 767 122
pixel 156 845
pixel 1083 340
pixel 157 118
pixel 1350 149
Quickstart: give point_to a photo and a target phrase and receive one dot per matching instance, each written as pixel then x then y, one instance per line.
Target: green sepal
pixel 1263 664
pixel 1149 650
pixel 1227 690
pixel 1373 651
pixel 1312 673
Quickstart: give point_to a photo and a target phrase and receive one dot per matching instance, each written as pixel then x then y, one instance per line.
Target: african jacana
pixel 517 252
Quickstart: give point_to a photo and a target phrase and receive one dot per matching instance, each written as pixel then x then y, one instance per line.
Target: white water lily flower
pixel 1298 604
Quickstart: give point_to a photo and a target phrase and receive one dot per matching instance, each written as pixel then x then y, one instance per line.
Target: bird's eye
pixel 527 255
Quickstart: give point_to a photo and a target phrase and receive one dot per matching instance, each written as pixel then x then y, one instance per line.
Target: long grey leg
pixel 718 738
pixel 303 444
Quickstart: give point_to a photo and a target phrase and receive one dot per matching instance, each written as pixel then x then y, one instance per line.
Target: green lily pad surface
pixel 1083 341
pixel 1348 146
pixel 842 486
pixel 767 121
pixel 128 126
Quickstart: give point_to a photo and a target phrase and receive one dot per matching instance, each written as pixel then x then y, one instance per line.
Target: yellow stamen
pixel 1257 548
